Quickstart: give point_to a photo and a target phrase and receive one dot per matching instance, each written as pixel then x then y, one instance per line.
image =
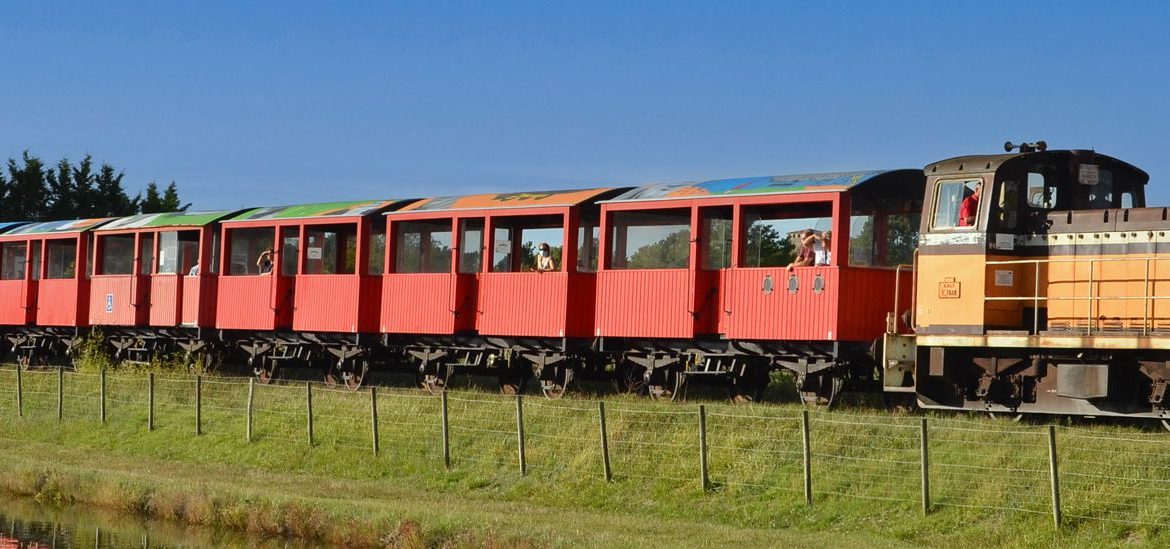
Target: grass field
pixel 989 477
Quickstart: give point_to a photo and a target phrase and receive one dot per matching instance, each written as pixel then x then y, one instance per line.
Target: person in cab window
pixel 970 207
pixel 544 260
pixel 194 270
pixel 264 262
pixel 806 256
pixel 823 249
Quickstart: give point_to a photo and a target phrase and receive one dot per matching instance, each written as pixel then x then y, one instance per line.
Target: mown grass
pixel 989 478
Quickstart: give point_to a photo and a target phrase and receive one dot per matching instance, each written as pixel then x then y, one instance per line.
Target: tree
pixel 171 201
pixel 25 191
pixel 672 252
pixel 768 248
pixel 110 198
pixel 152 202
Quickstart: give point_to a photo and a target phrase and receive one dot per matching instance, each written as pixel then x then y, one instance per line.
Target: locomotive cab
pixel 1041 278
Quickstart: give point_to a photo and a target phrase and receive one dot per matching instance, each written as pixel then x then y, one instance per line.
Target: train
pixel 1028 281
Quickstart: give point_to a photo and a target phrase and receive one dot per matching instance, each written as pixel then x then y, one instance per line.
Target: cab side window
pixel 1041 193
pixel 1007 204
pixel 948 204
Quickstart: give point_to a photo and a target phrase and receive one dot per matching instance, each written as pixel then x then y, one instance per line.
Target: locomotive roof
pixel 170 219
pixel 67 226
pixel 357 208
pixel 992 162
pixel 776 184
pixel 526 199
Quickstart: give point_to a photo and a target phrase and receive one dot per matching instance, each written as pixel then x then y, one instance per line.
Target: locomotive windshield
pixel 948 206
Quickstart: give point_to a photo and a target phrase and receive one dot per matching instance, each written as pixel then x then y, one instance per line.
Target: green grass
pixel 989 478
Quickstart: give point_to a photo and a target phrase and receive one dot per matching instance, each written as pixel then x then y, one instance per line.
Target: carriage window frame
pixel 935 203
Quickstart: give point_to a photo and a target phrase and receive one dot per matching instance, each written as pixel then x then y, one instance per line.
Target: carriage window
pixel 862 241
pixel 948 203
pixel 774 232
pixel 178 252
pixel 290 245
pixel 377 248
pixel 517 242
pixel 330 249
pixel 470 245
pixel 423 247
pixel 117 255
pixel 588 240
pixel 651 240
pixel 716 238
pixel 245 246
pixel 36 260
pixel 1040 194
pixel 12 260
pixel 62 259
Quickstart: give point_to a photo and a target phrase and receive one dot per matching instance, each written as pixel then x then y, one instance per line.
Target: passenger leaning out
pixel 806 256
pixel 264 262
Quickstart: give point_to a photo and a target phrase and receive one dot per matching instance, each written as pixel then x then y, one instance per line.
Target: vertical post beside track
pixel 807 455
pixel 925 468
pixel 60 393
pixel 703 479
pixel 1054 475
pixel 520 435
pixel 446 432
pixel 374 418
pixel 102 395
pixel 309 410
pixel 198 405
pixel 150 401
pixel 605 467
pixel 19 392
pixel 251 400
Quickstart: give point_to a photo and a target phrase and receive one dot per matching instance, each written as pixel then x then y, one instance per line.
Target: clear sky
pixel 253 103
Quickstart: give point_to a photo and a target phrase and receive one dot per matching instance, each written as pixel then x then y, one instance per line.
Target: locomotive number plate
pixel 948 290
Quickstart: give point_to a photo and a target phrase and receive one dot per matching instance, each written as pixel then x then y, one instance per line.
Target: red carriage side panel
pixel 524 304
pixel 867 295
pixel 166 299
pixel 582 310
pixel 763 308
pixel 428 303
pixel 60 302
pixel 646 303
pixel 198 307
pixel 119 300
pixel 17 298
pixel 262 302
pixel 327 303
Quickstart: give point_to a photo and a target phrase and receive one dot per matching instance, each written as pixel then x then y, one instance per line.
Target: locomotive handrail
pixel 913 266
pixel 1091 299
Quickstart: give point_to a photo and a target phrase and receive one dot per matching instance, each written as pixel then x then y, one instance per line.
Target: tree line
pixel 30 190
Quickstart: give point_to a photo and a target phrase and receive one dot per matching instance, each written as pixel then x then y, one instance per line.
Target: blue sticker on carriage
pixel 109 303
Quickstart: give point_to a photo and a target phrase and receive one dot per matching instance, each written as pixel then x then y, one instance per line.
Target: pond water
pixel 27 523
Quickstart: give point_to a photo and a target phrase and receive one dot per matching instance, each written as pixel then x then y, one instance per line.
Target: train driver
pixel 970 207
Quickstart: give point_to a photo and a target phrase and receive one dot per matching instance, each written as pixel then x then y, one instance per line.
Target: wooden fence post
pixel 374 418
pixel 150 402
pixel 251 399
pixel 198 405
pixel 19 392
pixel 605 468
pixel 1054 475
pixel 446 433
pixel 60 393
pixel 925 468
pixel 703 479
pixel 309 409
pixel 520 435
pixel 804 436
pixel 102 396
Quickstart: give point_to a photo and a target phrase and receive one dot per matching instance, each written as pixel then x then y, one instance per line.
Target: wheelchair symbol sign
pixel 109 303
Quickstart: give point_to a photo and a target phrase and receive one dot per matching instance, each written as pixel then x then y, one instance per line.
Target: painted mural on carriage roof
pixel 526 199
pixel 324 209
pixel 68 226
pixel 776 184
pixel 170 219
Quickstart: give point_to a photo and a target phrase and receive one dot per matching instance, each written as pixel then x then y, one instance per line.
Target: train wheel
pixel 433 383
pixel 666 383
pixel 820 390
pixel 266 371
pixel 513 381
pixel 357 376
pixel 629 378
pixel 555 380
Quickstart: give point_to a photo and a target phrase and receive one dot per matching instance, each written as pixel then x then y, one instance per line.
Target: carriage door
pixel 285 275
pixel 715 245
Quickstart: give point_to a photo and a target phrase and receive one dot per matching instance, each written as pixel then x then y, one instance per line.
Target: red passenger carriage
pixel 694 278
pixel 154 283
pixel 314 295
pixel 44 286
pixel 463 287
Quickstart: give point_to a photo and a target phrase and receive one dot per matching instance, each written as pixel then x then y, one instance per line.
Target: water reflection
pixel 26 523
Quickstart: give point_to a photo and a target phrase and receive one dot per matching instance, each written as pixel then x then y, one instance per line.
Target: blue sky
pixel 271 103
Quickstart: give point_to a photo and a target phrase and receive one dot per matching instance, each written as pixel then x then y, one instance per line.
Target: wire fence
pixel 1074 474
